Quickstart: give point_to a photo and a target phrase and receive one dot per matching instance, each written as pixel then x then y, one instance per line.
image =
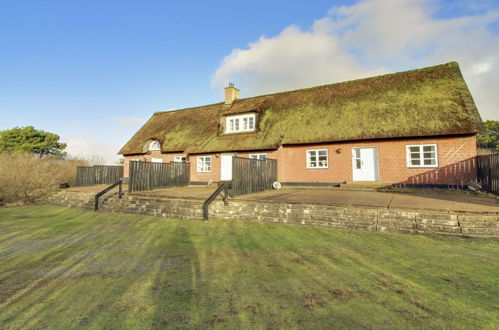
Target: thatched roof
pixel 426 102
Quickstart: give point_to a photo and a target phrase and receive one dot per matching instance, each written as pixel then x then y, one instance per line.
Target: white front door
pixel 226 167
pixel 364 164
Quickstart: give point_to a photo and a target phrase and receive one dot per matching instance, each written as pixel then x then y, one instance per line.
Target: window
pixel 258 156
pixel 154 145
pixel 317 158
pixel 422 155
pixel 156 160
pixel 137 160
pixel 179 159
pixel 242 123
pixel 204 164
pixel 358 159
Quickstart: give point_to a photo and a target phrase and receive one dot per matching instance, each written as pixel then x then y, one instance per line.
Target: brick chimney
pixel 231 94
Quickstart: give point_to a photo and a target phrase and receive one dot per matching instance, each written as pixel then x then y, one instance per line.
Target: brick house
pixel 414 127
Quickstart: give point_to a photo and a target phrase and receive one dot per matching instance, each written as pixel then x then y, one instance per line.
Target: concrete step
pixel 365 184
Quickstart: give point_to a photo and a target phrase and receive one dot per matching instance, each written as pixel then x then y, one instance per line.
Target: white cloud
pixel 93 150
pixel 293 59
pixel 368 38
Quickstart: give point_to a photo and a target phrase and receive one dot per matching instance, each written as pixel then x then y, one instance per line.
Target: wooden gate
pixel 98 174
pixel 147 176
pixel 488 172
pixel 252 175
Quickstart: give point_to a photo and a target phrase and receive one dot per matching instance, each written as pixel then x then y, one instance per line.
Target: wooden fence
pixel 488 172
pixel 147 176
pixel 98 174
pixel 252 175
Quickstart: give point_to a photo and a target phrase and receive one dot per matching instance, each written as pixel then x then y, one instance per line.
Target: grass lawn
pixel 68 268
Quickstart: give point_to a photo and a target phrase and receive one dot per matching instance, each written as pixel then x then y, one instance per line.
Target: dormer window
pixel 154 145
pixel 240 123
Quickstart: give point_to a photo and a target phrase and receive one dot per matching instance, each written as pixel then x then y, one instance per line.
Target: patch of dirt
pixel 421 306
pixel 310 300
pixel 338 293
pixel 215 320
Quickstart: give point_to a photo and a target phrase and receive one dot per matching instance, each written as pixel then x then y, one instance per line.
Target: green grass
pixel 67 268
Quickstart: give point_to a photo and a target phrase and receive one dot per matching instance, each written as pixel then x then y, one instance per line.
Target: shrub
pixel 25 177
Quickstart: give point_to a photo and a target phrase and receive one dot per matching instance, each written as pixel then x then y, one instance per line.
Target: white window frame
pixel 154 146
pixel 201 164
pixel 258 156
pixel 318 167
pixel 136 160
pixel 421 155
pixel 235 124
pixel 156 160
pixel 180 159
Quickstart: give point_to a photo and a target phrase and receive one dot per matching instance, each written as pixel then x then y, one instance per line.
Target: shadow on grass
pixel 176 284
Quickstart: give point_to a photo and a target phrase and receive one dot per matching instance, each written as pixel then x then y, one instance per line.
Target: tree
pixel 489 138
pixel 29 139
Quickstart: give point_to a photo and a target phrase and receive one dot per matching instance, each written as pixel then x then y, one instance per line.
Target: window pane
pixel 236 124
pixel 323 161
pixel 415 156
pixel 322 152
pixel 251 124
pixel 357 163
pixel 415 162
pixel 429 155
pixel 245 123
pixel 414 149
pixel 429 148
pixel 263 156
pixel 253 156
pixel 429 162
pixel 357 153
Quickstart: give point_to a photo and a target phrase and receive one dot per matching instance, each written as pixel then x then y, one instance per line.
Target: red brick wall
pixel 456 164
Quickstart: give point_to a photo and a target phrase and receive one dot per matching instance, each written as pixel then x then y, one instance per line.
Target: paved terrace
pixel 424 199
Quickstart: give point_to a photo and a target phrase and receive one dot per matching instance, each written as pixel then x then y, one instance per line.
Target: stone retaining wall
pixel 332 216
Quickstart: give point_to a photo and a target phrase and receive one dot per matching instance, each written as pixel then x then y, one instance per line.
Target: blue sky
pixel 94 71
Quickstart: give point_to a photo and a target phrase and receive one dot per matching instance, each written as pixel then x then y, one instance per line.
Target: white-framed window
pixel 317 158
pixel 422 155
pixel 240 123
pixel 136 160
pixel 179 159
pixel 258 156
pixel 156 160
pixel 154 145
pixel 204 164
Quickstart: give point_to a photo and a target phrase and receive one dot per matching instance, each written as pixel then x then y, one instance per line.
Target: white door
pixel 226 167
pixel 364 164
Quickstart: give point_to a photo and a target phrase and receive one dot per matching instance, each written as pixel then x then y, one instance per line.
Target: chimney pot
pixel 231 94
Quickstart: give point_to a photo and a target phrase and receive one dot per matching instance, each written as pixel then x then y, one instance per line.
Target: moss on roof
pixel 426 102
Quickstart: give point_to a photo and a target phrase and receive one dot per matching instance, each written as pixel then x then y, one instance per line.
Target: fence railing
pixel 218 191
pixel 252 175
pixel 488 172
pixel 98 174
pixel 148 176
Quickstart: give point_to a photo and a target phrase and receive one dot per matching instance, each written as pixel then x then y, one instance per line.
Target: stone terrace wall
pixel 331 216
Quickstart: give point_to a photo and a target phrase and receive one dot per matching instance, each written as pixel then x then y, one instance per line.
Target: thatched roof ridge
pixel 425 102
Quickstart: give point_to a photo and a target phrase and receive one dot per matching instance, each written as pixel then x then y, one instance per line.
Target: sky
pixel 95 71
